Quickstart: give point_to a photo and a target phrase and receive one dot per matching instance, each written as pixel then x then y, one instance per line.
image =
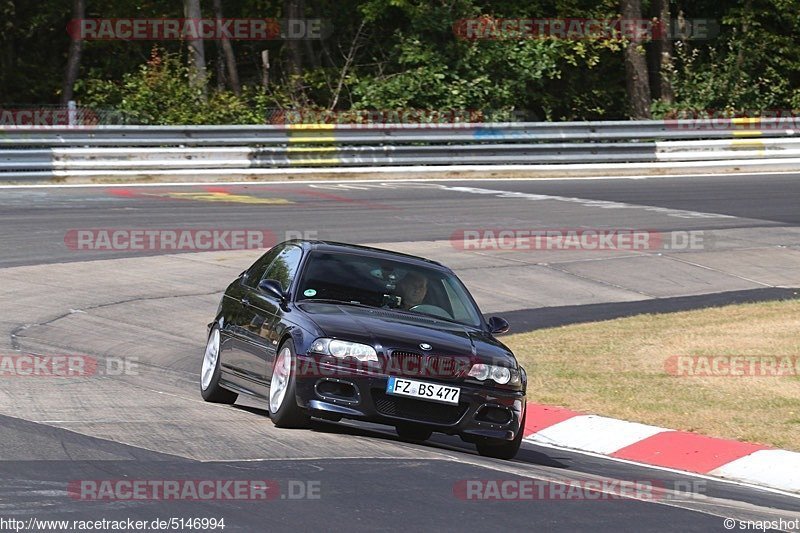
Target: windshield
pixel 387 284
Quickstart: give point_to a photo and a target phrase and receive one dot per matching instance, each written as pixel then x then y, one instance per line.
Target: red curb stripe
pixel 686 451
pixel 217 189
pixel 540 417
pixel 127 193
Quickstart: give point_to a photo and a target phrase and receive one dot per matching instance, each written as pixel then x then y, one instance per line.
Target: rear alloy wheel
pixel 283 408
pixel 209 374
pixel 413 433
pixel 503 449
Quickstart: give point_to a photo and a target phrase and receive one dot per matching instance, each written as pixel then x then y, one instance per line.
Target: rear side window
pixel 284 267
pixel 257 270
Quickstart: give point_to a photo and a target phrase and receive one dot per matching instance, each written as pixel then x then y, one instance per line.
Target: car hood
pixel 391 330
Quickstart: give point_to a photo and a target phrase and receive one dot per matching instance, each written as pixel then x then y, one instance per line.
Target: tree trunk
pixel 74 57
pixel 636 81
pixel 8 58
pixel 663 45
pixel 265 69
pixel 230 57
pixel 293 9
pixel 348 61
pixel 198 76
pixel 219 66
pixel 748 11
pixel 311 56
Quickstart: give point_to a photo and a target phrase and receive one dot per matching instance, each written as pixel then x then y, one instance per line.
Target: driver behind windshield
pixel 412 289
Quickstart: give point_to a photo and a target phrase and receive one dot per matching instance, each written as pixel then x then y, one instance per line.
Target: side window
pixel 256 272
pixel 285 266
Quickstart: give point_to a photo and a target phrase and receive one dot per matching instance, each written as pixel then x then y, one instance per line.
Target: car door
pixel 267 312
pixel 236 358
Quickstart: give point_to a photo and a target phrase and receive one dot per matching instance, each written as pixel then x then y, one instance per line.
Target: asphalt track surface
pixel 152 307
pixel 34 220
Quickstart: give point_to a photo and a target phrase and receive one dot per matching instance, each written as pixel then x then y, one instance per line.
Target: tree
pixel 198 77
pixel 293 10
pixel 725 55
pixel 636 80
pixel 74 56
pixel 230 57
pixel 663 52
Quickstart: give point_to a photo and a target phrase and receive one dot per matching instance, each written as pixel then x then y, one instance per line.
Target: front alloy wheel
pixel 283 408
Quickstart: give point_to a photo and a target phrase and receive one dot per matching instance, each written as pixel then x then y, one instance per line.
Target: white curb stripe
pixel 774 468
pixel 676 471
pixel 596 434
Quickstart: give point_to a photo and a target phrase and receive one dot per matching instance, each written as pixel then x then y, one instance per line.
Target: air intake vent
pixel 421 411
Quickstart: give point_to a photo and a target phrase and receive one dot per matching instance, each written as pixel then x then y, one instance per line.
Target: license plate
pixel 422 390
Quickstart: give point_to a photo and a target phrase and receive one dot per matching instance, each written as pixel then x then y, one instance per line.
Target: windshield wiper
pixel 437 317
pixel 429 315
pixel 335 301
pixel 395 309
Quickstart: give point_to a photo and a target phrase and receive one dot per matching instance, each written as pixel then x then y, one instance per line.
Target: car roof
pixel 368 251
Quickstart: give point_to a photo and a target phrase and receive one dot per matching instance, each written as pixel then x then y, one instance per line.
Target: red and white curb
pixel 662 447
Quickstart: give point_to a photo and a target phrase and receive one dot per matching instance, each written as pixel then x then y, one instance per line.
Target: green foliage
pixel 404 54
pixel 431 68
pixel 752 66
pixel 159 93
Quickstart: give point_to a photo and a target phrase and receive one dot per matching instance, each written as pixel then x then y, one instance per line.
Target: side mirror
pixel 498 325
pixel 273 288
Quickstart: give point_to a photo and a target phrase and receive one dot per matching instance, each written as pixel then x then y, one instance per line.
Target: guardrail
pixel 91 151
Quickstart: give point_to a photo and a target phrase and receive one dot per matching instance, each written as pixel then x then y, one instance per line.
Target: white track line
pixel 401 180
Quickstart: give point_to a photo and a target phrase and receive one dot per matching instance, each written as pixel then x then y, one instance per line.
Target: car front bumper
pixel 335 392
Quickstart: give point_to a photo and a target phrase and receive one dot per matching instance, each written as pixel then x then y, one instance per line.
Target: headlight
pixel 343 349
pixel 498 374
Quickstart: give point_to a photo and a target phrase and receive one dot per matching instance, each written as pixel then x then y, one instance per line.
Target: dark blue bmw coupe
pixel 331 331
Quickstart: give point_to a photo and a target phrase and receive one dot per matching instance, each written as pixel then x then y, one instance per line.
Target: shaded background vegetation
pixel 395 54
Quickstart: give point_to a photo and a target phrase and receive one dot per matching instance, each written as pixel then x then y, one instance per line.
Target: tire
pixel 283 409
pixel 503 449
pixel 210 372
pixel 413 433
